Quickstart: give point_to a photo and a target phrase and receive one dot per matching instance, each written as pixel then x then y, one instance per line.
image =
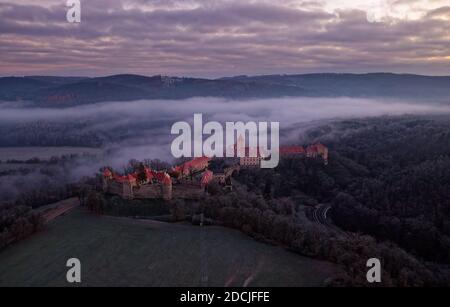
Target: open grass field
pixel 126 252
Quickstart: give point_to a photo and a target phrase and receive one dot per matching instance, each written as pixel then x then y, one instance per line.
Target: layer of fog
pixel 285 110
pixel 146 124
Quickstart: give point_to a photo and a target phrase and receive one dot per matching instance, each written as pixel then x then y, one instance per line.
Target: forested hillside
pixel 63 92
pixel 387 177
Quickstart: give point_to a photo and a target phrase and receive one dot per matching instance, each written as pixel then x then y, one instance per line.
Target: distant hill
pixel 364 85
pixel 68 91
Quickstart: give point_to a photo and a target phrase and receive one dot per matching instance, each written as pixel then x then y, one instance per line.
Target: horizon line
pixel 223 77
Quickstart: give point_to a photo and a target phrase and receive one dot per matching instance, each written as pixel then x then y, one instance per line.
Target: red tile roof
pixel 197 162
pixel 120 178
pixel 148 173
pixel 290 150
pixel 159 176
pixel 206 178
pixel 167 180
pixel 107 172
pixel 315 148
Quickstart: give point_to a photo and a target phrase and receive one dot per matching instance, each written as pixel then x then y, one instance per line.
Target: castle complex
pixel 187 181
pixel 191 179
pixel 312 151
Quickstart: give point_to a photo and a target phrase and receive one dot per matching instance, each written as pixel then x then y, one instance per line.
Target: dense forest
pixel 387 178
pixel 405 194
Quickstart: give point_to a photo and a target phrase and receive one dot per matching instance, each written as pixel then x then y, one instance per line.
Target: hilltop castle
pixel 191 179
pixel 187 181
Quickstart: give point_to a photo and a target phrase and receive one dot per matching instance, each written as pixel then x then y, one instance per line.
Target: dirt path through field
pixel 50 212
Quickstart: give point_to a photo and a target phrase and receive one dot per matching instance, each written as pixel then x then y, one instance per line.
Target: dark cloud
pixel 215 38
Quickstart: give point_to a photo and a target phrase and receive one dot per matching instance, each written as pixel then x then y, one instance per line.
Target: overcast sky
pixel 214 38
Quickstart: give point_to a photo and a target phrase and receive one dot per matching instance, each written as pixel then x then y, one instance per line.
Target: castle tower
pixel 240 146
pixel 128 186
pixel 107 176
pixel 322 151
pixel 166 187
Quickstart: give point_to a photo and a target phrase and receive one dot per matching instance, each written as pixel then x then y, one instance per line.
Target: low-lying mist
pixel 141 129
pixel 285 110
